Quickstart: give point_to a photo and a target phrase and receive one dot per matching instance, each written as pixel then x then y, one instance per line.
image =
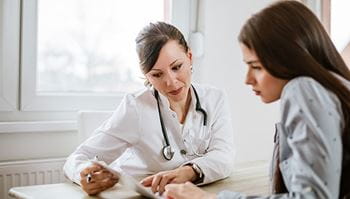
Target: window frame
pixel 9 53
pixel 30 100
pixel 326 15
pixel 322 10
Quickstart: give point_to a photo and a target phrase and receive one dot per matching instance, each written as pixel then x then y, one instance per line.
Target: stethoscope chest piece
pixel 168 153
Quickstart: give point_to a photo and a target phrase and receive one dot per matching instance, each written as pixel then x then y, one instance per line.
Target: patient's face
pixel 268 87
pixel 171 74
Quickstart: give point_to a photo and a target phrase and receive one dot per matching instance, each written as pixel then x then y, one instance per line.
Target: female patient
pixel 173 130
pixel 290 57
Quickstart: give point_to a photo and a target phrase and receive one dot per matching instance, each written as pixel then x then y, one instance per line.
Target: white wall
pixel 220 22
pixel 36 145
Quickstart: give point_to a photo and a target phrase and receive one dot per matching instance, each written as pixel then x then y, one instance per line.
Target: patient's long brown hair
pixel 290 41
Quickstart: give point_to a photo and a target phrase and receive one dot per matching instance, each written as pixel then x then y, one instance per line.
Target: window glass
pixel 89 45
pixel 340 30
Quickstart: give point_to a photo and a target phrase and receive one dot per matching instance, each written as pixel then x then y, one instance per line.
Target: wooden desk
pixel 250 178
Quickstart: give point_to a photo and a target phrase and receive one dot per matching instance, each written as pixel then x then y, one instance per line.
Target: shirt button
pixel 173 115
pixel 183 151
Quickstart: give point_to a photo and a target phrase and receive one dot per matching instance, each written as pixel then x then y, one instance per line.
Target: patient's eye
pixel 255 67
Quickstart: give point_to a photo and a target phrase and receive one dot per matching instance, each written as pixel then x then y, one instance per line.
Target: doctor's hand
pixel 99 180
pixel 186 191
pixel 158 181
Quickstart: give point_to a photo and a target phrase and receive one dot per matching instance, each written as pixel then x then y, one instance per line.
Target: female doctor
pixel 173 130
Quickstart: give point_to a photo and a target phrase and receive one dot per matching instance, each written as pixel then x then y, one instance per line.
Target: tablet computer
pixel 130 182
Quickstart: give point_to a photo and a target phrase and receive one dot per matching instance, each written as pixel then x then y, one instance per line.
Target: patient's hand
pixel 101 179
pixel 187 191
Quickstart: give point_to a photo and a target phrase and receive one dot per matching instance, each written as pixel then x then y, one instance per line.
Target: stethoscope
pixel 168 152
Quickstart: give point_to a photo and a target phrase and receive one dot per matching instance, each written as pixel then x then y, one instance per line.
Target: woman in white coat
pixel 173 130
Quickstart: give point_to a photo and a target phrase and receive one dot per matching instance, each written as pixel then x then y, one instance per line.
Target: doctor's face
pixel 171 74
pixel 268 87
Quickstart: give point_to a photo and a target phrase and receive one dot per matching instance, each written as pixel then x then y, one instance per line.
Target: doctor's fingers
pixel 154 179
pixel 160 180
pixel 102 175
pixel 166 179
pixel 92 188
pixel 147 181
pixel 99 186
pixel 99 177
pixel 90 169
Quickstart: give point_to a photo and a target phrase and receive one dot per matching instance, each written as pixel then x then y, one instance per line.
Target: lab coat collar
pixel 165 102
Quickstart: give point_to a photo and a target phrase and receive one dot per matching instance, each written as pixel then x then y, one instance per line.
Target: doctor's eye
pixel 156 75
pixel 176 67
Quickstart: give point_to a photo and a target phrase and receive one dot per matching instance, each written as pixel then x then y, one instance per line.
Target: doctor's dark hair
pixel 152 38
pixel 290 42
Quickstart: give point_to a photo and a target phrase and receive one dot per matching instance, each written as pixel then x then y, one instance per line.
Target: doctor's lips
pixel 175 92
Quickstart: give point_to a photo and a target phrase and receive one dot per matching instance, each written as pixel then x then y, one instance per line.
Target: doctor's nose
pixel 171 79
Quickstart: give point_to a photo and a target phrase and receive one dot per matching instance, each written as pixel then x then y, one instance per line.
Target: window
pixel 79 54
pixel 88 46
pixel 334 15
pixel 9 54
pixel 339 28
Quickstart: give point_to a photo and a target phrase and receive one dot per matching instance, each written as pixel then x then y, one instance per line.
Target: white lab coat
pixel 131 140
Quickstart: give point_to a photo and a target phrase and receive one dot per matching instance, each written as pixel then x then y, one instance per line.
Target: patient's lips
pixel 257 92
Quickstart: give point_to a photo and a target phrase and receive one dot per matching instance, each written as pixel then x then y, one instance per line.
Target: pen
pixel 89 175
pixel 88 178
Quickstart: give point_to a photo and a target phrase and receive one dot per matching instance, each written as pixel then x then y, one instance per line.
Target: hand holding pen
pixel 95 178
pixel 89 175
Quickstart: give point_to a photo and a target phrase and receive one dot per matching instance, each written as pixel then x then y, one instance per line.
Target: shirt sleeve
pixel 108 142
pixel 305 194
pixel 310 143
pixel 217 163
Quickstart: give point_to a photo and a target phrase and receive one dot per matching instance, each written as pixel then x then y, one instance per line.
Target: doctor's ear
pixel 147 83
pixel 189 55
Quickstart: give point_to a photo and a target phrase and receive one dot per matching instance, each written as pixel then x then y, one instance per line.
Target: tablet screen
pixel 129 181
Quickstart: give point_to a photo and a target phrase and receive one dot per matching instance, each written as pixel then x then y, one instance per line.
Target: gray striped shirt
pixel 309 135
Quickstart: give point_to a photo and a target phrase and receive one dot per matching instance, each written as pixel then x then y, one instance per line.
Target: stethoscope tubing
pixel 166 150
pixel 165 134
